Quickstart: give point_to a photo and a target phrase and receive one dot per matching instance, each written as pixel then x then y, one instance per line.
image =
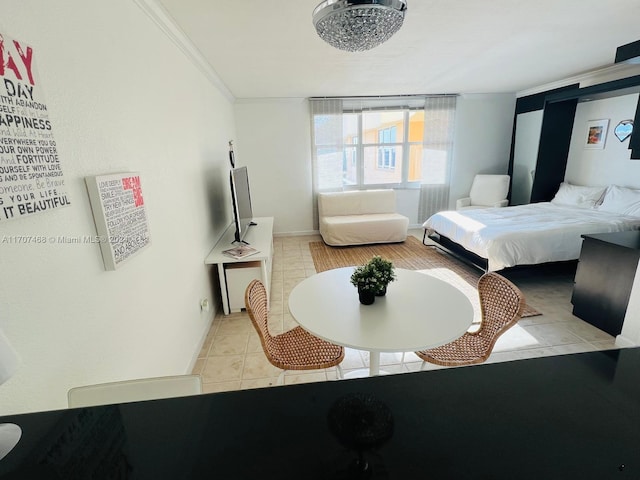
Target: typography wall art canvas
pixel 31 176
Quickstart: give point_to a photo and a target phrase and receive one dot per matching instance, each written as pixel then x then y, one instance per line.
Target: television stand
pixel 235 274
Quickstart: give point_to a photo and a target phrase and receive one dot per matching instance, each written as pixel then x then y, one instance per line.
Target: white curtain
pixel 439 123
pixel 327 147
pixel 327 137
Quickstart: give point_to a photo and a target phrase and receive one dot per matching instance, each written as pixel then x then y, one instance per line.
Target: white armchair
pixel 486 191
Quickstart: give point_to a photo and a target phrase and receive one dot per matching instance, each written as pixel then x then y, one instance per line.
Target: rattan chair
pixel 295 349
pixel 501 306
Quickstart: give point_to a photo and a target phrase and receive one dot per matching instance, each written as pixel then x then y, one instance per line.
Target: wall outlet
pixel 204 305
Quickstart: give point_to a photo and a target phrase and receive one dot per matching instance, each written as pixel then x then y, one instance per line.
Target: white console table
pixel 235 274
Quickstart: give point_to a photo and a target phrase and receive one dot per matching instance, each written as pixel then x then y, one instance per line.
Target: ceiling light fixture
pixel 357 25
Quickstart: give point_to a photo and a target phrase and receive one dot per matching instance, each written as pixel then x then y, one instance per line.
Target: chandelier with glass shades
pixel 358 25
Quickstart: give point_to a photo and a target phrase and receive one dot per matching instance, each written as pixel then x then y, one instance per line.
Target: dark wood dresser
pixel 604 278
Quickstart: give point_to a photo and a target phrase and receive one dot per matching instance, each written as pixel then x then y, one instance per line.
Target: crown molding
pixel 158 14
pixel 253 100
pixel 589 78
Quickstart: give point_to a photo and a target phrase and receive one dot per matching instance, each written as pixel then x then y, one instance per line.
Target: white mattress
pixel 526 234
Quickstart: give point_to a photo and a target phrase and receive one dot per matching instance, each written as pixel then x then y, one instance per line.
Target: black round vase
pixel 382 292
pixel 362 423
pixel 366 298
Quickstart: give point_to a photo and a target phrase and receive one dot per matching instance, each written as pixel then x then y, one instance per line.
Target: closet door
pixel 555 138
pixel 542 133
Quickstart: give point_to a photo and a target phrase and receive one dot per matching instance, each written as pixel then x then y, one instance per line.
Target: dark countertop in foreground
pixel 563 417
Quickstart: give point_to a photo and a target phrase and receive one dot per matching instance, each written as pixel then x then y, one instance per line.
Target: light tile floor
pixel 232 357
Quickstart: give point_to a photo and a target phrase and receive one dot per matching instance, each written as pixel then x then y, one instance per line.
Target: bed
pixel 498 238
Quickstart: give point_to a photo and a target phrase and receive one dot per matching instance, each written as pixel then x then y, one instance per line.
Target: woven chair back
pixel 295 349
pixel 501 304
pixel 255 300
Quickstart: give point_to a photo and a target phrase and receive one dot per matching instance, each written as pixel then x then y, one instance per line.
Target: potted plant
pixel 384 273
pixel 366 280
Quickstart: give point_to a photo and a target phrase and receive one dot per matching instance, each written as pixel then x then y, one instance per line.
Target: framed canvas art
pixel 596 134
pixel 120 217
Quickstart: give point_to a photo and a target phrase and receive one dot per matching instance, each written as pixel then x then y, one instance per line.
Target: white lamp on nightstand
pixel 10 433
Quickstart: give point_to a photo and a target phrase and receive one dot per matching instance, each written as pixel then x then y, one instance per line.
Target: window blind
pixel 340 140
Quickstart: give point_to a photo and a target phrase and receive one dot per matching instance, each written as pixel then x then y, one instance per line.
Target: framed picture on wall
pixel 596 133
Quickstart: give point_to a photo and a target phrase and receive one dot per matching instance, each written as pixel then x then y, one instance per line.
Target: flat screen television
pixel 241 199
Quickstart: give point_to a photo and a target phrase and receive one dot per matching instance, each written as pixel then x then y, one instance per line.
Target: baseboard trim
pixel 296 234
pixel 624 342
pixel 203 339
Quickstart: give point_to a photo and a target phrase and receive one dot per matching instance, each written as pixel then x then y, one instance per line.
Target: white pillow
pixel 621 200
pixel 577 195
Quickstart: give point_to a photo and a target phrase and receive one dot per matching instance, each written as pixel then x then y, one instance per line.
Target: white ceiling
pixel 269 48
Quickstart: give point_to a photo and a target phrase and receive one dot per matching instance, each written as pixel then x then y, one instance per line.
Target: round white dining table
pixel 418 312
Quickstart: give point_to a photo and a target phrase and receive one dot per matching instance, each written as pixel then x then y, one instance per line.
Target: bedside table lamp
pixel 10 433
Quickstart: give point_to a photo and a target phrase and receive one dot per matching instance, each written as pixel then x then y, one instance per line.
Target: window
pixel 387 154
pixel 383 142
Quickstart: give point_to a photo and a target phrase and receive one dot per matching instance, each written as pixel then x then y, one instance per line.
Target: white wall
pixel 274 141
pixel 630 334
pixel 121 97
pixel 482 139
pixel 612 164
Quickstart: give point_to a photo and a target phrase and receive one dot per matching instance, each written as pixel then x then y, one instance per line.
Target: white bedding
pixel 526 234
